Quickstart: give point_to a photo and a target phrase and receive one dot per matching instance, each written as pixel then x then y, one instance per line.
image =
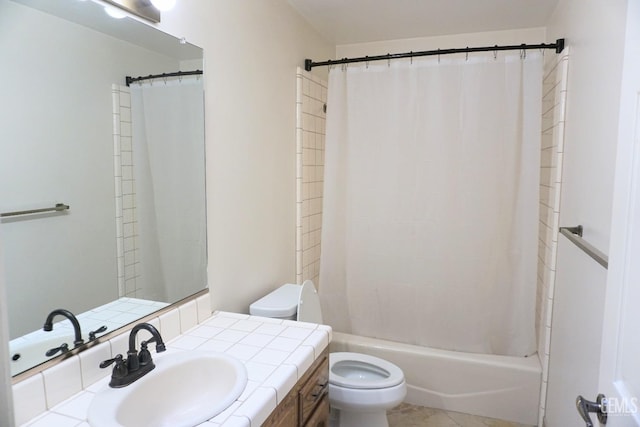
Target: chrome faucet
pixel 137 364
pixel 48 324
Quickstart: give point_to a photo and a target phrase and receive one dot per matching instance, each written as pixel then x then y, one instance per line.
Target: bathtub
pixel 501 387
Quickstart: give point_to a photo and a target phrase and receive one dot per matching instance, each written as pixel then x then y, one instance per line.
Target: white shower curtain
pixel 168 156
pixel 430 225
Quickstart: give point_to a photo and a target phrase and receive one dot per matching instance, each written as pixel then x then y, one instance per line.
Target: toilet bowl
pixel 361 387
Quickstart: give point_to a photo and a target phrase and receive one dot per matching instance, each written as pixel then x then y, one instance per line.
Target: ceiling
pixel 359 21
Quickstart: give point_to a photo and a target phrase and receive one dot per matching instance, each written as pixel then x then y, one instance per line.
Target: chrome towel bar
pixel 59 207
pixel 574 234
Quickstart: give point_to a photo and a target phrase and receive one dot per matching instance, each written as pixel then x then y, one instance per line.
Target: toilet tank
pixel 279 304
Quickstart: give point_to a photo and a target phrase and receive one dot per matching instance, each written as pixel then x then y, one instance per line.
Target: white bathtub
pixel 501 387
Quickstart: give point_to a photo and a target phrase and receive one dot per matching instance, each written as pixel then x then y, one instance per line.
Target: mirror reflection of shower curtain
pixel 430 214
pixel 169 170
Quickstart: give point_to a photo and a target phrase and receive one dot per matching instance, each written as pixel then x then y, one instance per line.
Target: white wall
pixel 595 31
pixel 251 52
pixel 489 38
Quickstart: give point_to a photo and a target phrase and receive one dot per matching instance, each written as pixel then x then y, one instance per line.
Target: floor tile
pixel 406 415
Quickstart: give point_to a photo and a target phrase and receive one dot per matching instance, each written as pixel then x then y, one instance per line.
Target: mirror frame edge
pixel 7 415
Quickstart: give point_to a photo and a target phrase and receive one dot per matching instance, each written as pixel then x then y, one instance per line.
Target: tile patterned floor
pixel 406 415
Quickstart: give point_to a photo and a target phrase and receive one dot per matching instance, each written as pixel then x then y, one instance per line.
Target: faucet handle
pixel 92 334
pixel 118 359
pixel 108 362
pixel 64 347
pixel 120 369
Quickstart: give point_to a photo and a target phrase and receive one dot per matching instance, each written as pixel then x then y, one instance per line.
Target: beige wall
pixel 252 49
pixel 594 30
pixel 489 38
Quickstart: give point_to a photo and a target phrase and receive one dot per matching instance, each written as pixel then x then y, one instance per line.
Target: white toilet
pixel 361 387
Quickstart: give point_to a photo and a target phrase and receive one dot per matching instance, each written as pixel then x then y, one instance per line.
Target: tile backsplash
pixel 310 142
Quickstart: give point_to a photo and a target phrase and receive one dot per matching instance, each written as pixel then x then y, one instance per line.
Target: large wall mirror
pixel 128 161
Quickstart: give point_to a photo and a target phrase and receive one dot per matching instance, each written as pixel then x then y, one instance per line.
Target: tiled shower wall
pixel 553 120
pixel 311 99
pixel 125 198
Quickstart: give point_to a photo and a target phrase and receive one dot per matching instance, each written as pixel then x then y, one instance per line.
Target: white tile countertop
pixel 275 352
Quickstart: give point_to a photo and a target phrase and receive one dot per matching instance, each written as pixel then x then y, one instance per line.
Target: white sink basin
pixel 184 390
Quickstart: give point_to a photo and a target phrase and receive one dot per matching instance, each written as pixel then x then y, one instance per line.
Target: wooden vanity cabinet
pixel 320 418
pixel 307 404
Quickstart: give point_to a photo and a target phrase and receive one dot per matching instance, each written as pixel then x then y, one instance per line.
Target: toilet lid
pixel 309 309
pixel 361 371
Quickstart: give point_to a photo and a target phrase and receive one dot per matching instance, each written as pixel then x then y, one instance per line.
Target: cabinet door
pixel 285 415
pixel 320 417
pixel 313 391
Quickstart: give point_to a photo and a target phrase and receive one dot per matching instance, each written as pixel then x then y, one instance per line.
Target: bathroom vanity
pixel 286 363
pixel 307 404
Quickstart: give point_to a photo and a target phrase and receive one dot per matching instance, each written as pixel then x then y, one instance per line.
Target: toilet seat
pixel 361 371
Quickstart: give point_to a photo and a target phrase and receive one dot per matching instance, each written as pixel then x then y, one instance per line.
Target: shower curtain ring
pixel 438 56
pixel 495 53
pixel 411 57
pixel 467 54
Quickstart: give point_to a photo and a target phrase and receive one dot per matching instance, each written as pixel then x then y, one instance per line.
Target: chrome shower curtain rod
pixel 163 75
pixel 558 46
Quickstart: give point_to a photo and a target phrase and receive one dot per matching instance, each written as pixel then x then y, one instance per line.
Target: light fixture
pixel 114 12
pixel 163 5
